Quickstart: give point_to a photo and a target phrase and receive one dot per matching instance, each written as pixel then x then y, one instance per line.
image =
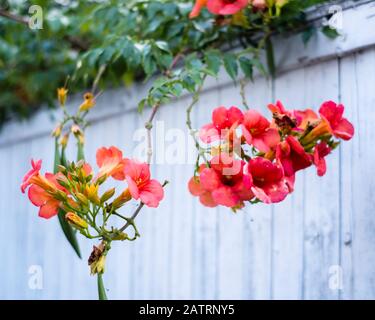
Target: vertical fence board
pixel 287 270
pixel 257 224
pixel 321 200
pixel 358 225
pixel 206 240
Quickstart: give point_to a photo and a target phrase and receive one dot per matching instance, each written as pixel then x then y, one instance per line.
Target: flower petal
pixel 209 179
pixel 152 193
pixel 38 196
pixel 195 187
pixel 208 133
pixel 133 188
pixel 344 130
pixel 49 209
pixel 225 197
pixel 198 6
pixel 206 199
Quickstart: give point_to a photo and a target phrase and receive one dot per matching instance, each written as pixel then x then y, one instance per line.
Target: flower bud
pixel 61 95
pixel 88 102
pixel 91 192
pixel 121 199
pixel 78 133
pixel 107 195
pixel 64 140
pixel 75 129
pixel 81 197
pixel 80 164
pixel 60 195
pixel 57 131
pixel 61 169
pixel 101 179
pixel 76 221
pixel 121 236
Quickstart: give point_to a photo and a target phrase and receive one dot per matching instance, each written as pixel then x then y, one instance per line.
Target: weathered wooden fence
pixel 318 244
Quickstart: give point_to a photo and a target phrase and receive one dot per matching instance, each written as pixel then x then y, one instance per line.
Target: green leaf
pixel 259 65
pixel 329 32
pixel 148 61
pixel 213 61
pixel 192 62
pixel 230 65
pixel 141 105
pixel 101 290
pixel 188 83
pixel 246 67
pixel 162 45
pixel 68 231
pixel 176 89
pixel 307 35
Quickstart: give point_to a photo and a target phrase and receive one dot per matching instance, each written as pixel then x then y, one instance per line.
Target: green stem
pixel 101 289
pixel 80 152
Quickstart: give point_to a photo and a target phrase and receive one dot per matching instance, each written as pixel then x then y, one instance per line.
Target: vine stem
pixel 189 122
pixel 133 216
pixel 243 84
pixel 148 126
pixel 10 16
pixel 101 289
pixel 98 77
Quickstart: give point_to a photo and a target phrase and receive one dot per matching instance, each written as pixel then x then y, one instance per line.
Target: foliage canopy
pixel 130 40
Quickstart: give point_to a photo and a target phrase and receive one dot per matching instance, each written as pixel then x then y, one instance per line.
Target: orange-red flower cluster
pixel 256 159
pixel 230 7
pixel 75 187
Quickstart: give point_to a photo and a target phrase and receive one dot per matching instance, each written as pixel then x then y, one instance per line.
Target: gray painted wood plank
pixel 358 254
pixel 321 200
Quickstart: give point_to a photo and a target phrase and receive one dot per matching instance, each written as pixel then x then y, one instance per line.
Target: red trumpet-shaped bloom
pixel 269 183
pixel 198 6
pixel 226 7
pixel 224 183
pixel 47 203
pixel 339 126
pixel 110 162
pixel 292 156
pixel 223 120
pixel 196 189
pixel 257 132
pixel 140 184
pixel 35 168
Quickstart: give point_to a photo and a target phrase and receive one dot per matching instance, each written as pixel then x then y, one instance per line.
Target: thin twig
pixel 98 77
pixel 134 215
pixel 148 126
pixel 13 17
pixel 136 212
pixel 243 84
pixel 188 119
pixel 75 42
